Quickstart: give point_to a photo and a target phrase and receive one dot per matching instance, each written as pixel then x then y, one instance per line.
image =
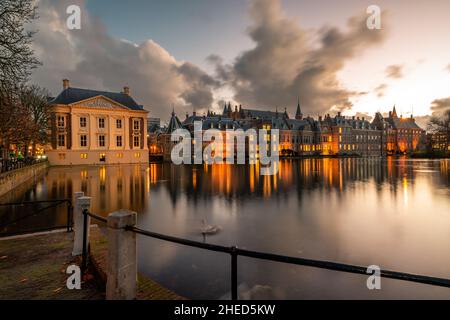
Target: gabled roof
pixel 174 124
pixel 72 95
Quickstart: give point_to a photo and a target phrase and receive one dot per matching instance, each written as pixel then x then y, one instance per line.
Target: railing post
pixel 122 260
pixel 70 215
pixel 80 204
pixel 234 290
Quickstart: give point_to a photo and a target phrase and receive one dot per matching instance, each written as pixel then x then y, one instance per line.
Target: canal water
pixel 394 213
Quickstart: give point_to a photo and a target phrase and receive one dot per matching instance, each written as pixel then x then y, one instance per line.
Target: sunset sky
pixel 262 54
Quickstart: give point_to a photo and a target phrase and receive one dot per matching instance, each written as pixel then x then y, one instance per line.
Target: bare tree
pixel 34 102
pixel 16 54
pixel 16 63
pixel 440 122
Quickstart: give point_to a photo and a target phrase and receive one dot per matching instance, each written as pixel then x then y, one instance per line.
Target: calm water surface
pixel 394 213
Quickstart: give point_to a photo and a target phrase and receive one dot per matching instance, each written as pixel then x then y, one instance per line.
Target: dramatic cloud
pixel 437 107
pixel 380 90
pixel 91 58
pixel 394 71
pixel 285 64
pixel 440 105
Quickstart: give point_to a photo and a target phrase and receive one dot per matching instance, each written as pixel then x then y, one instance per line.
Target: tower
pixel 298 113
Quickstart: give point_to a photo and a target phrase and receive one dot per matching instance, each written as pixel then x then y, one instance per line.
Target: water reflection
pixel 392 212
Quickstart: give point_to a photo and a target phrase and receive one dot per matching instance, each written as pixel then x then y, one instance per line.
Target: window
pixel 101 122
pixel 136 141
pixel 62 156
pixel 101 141
pixel 61 121
pixel 83 140
pixel 120 155
pixel 83 155
pixel 119 141
pixel 102 157
pixel 82 122
pixel 61 140
pixel 136 124
pixel 119 124
pixel 137 155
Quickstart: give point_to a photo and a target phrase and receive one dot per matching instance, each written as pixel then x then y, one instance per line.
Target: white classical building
pixel 96 127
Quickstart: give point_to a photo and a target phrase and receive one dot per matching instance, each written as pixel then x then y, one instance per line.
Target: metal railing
pixel 234 252
pixel 7 165
pixel 51 204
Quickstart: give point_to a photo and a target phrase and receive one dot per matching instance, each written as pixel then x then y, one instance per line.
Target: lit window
pixel 136 124
pixel 101 122
pixel 102 157
pixel 119 124
pixel 83 140
pixel 83 155
pixel 120 155
pixel 61 140
pixel 119 141
pixel 137 155
pixel 136 141
pixel 61 121
pixel 83 122
pixel 101 141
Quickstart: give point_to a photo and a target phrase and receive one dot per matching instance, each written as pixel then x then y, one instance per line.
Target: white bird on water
pixel 207 229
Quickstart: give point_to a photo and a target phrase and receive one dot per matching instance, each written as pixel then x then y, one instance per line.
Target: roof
pixel 72 95
pixel 403 123
pixel 260 114
pixel 174 123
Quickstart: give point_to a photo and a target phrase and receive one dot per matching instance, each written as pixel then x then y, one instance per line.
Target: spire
pixel 224 109
pixel 298 113
pixel 394 112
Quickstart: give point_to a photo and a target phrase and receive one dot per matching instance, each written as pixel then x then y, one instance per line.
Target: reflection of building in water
pixel 304 136
pixel 199 182
pixel 112 187
pixel 96 127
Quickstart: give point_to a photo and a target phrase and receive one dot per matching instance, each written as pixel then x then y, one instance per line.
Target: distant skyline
pixel 259 53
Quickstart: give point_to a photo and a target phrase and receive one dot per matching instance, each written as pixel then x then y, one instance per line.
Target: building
pixel 305 136
pixel 96 127
pixel 401 135
pixel 440 141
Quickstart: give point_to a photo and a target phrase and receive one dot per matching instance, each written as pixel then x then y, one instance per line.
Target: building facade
pixel 96 127
pixel 305 136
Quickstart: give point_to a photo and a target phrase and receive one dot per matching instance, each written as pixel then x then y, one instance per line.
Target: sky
pixel 197 54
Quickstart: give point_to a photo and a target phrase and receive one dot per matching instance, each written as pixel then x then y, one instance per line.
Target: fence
pixel 48 204
pixel 123 222
pixel 7 165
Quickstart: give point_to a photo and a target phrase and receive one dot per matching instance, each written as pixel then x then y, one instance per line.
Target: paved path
pixel 35 268
pixel 147 288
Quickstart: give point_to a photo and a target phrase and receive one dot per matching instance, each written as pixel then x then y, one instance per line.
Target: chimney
pixel 339 114
pixel 194 113
pixel 65 84
pixel 126 90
